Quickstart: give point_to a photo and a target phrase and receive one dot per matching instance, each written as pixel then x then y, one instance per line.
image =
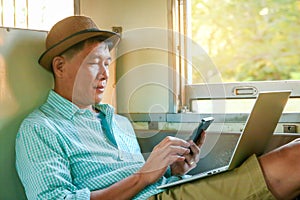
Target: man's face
pixel 88 71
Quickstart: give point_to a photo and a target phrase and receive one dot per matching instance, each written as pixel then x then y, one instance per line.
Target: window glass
pixel 247 40
pixel 34 14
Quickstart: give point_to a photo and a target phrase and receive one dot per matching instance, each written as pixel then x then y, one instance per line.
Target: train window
pixel 34 14
pixel 242 47
pixel 248 41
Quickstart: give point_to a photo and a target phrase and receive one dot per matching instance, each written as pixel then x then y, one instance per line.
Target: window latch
pixel 245 90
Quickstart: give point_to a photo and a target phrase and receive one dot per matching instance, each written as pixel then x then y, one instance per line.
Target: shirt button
pixel 120 156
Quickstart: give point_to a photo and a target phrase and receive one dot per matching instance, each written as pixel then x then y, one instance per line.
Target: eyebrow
pixel 99 56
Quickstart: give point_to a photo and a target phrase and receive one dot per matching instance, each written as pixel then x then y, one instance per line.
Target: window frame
pixel 76 5
pixel 189 92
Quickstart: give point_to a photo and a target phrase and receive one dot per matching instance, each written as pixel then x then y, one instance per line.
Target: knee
pixel 295 144
pixel 285 156
pixel 292 150
pixel 297 140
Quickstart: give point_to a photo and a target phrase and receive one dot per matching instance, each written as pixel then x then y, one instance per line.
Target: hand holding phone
pixel 203 125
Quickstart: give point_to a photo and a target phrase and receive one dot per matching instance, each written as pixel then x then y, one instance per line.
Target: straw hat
pixel 69 32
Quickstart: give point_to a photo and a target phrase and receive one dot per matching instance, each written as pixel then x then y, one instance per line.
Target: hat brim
pixel 46 58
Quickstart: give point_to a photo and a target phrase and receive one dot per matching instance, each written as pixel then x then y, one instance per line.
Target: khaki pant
pixel 245 182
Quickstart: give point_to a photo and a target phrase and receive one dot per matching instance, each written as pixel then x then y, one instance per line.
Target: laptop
pixel 255 136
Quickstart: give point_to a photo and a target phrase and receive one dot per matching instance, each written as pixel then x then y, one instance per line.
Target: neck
pixel 78 104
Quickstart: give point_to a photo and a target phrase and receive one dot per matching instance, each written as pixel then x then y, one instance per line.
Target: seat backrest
pixel 23 86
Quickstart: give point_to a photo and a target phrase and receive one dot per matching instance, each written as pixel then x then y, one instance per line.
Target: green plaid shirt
pixel 63 152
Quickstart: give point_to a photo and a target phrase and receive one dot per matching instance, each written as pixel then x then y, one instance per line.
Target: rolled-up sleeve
pixel 42 165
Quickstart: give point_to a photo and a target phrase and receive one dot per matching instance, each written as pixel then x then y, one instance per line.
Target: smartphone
pixel 203 125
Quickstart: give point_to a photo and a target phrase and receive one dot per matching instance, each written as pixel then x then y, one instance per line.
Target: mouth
pixel 99 88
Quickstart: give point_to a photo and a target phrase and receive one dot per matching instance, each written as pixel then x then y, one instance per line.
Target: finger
pixel 165 151
pixel 201 140
pixel 176 158
pixel 195 150
pixel 178 150
pixel 194 155
pixel 191 161
pixel 169 140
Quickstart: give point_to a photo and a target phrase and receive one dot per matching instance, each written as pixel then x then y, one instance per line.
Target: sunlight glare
pixel 264 11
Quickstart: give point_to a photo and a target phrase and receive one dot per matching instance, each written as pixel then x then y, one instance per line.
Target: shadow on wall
pixel 23 86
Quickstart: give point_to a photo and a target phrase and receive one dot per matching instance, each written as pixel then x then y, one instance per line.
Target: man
pixel 73 147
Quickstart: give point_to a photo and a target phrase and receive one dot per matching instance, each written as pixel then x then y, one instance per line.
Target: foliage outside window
pixel 249 40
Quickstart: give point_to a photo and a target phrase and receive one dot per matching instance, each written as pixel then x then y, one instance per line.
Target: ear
pixel 58 64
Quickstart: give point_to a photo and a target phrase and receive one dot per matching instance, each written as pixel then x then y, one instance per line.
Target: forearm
pixel 124 189
pixel 165 153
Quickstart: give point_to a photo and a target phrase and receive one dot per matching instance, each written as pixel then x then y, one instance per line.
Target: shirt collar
pixel 63 106
pixel 106 109
pixel 68 109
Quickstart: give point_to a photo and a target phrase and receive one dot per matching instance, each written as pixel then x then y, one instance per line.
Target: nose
pixel 103 73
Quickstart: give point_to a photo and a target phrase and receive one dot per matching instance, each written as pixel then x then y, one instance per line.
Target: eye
pixel 92 63
pixel 106 63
